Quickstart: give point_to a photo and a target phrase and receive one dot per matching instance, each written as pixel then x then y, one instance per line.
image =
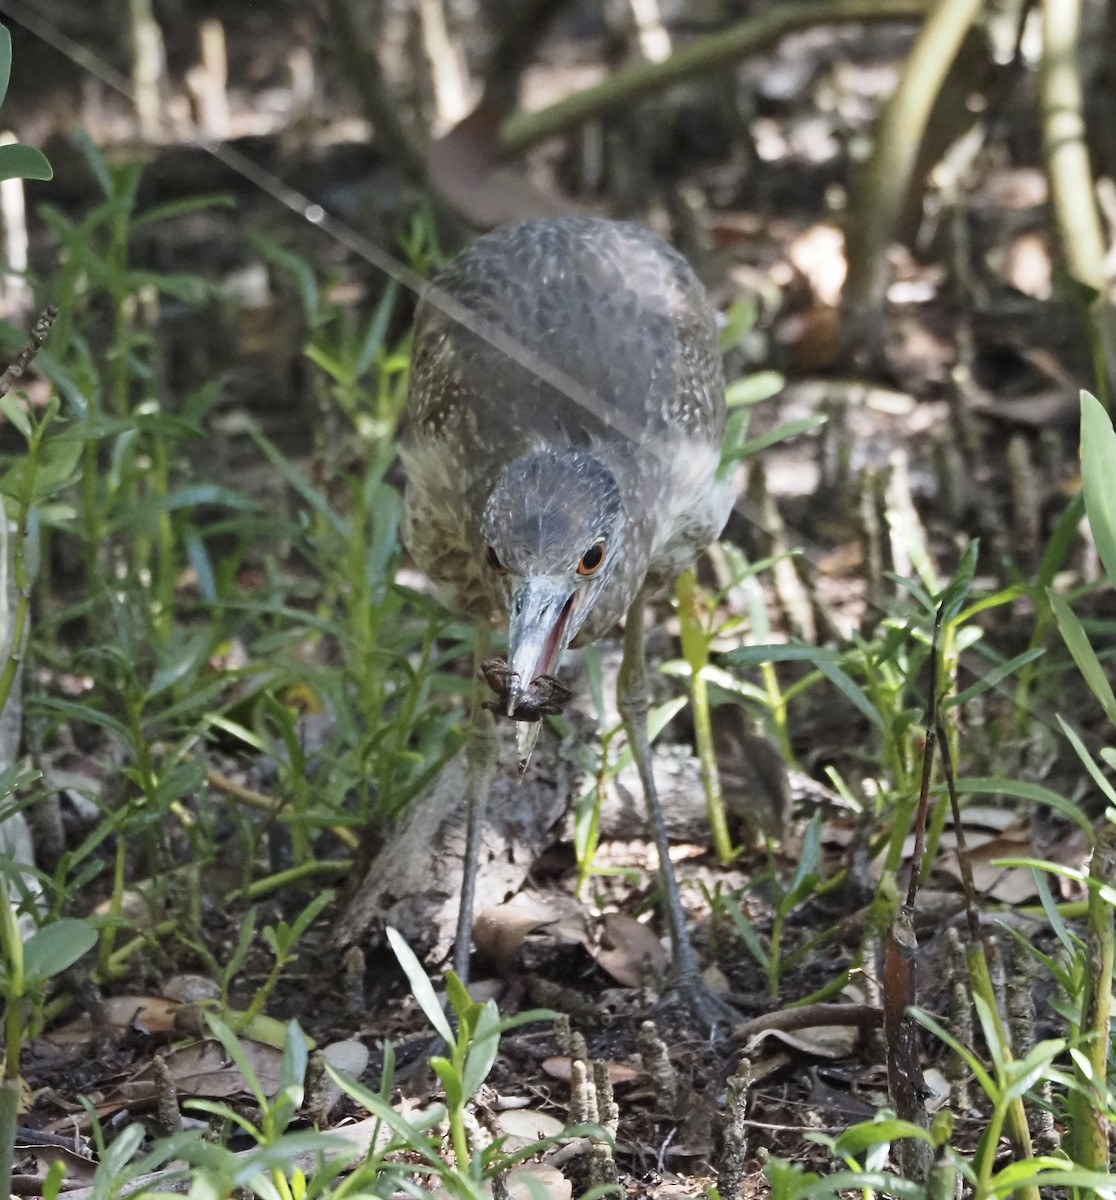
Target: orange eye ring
pixel 592 559
pixel 494 562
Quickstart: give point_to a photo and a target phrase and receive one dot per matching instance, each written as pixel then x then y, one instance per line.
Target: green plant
pixel 29 965
pixel 471 1049
pixel 16 161
pixel 803 886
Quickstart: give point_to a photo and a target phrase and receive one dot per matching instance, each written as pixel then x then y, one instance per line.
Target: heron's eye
pixel 592 558
pixel 494 561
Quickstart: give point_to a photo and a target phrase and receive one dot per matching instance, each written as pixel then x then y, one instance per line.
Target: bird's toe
pixel 690 993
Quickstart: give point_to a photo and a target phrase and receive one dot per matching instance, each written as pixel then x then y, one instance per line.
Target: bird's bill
pixel 538 631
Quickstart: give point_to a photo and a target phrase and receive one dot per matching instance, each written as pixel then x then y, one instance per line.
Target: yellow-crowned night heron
pixel 566 414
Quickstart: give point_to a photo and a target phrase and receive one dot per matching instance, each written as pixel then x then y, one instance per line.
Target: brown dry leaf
pixel 348 1055
pixel 822 1041
pixel 1012 885
pixel 559 1068
pixel 204 1069
pixel 987 816
pixel 148 1014
pixel 534 1179
pixel 526 1125
pixel 31 1162
pixel 501 929
pixel 191 989
pixel 628 950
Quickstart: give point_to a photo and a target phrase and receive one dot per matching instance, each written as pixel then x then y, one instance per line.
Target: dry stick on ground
pixel 878 206
pixel 1069 175
pixel 905 1081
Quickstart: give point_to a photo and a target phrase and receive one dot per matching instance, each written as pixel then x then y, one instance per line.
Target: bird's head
pixel 553 528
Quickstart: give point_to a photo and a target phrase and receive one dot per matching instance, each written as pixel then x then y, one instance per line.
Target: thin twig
pixel 28 350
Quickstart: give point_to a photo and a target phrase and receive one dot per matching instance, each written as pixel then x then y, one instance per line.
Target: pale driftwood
pixel 415 881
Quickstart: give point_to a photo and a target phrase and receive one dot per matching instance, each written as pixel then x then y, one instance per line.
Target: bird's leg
pixel 632 701
pixel 481 754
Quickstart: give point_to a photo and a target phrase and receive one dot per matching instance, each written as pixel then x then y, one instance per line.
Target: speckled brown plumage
pixel 621 315
pixel 566 414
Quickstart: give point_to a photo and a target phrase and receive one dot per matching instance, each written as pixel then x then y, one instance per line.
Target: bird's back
pixel 603 309
pixel 568 332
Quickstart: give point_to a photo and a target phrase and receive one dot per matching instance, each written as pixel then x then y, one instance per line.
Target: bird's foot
pixel 689 992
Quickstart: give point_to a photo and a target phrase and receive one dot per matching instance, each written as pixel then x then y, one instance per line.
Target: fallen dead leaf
pixel 148 1014
pixel 822 1041
pixel 559 1068
pixel 534 1179
pixel 526 1125
pixel 628 950
pixel 501 929
pixel 1010 885
pixel 31 1162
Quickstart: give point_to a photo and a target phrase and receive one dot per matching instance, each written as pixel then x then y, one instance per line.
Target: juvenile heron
pixel 566 415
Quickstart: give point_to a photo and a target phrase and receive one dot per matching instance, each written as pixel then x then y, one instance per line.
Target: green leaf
pixel 1021 789
pixel 57 466
pixel 1024 1074
pixel 782 433
pixel 299 270
pixel 421 987
pixel 867 1181
pixel 975 1065
pixel 845 685
pixel 483 1047
pixel 867 1134
pixel 458 998
pixel 292 1070
pixel 312 497
pixel 96 162
pixel 1050 1172
pixel 747 934
pixel 1077 641
pixel 377 329
pixel 958 587
pixel 15 412
pixel 235 1051
pixel 805 871
pixel 824 660
pixel 450 1081
pixel 1098 469
pixel 740 319
pixel 1060 542
pixel 409 1129
pixel 1088 761
pixel 5 61
pixel 994 677
pixel 24 162
pixel 182 208
pixel 52 949
pixel 754 388
pixel 86 713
